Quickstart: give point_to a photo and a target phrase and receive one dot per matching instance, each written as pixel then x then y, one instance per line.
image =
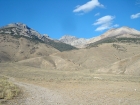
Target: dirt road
pixel 36 95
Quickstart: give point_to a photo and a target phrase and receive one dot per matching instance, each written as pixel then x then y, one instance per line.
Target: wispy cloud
pixel 88 6
pixel 97 14
pixel 134 16
pixel 105 22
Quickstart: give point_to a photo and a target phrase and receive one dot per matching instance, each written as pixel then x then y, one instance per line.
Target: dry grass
pixel 80 87
pixel 7 90
pixel 38 74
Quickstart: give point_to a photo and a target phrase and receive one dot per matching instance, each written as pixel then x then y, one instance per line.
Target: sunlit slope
pixel 15 49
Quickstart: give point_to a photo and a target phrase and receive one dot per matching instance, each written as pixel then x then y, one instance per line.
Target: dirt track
pixel 36 95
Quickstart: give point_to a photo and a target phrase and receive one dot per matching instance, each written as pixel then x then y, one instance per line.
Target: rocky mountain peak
pixel 19 29
pixel 74 41
pixel 68 38
pixel 18 25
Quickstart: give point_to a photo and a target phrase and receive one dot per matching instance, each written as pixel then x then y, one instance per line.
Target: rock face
pixel 20 29
pixel 68 39
pixel 74 41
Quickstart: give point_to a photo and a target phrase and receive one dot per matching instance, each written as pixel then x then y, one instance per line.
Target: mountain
pixel 26 52
pixel 13 49
pixel 19 29
pixel 118 32
pixel 117 53
pixel 22 30
pixel 74 41
pixel 121 35
pixel 123 32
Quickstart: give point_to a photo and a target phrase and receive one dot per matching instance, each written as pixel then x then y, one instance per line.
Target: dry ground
pixel 52 87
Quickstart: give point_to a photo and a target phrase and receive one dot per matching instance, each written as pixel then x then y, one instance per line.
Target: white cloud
pixel 97 14
pixel 88 6
pixel 134 16
pixel 105 22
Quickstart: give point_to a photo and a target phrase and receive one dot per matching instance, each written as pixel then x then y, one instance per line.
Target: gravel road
pixel 36 95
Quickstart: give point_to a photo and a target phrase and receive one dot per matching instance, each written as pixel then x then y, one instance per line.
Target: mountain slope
pixel 22 30
pixel 49 62
pixel 129 66
pixel 16 49
pixel 58 44
pixel 114 40
pixel 118 32
pixel 98 57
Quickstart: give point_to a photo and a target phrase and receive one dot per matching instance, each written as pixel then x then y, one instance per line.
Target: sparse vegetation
pixel 59 45
pixel 119 47
pixel 113 40
pixel 129 40
pixel 7 89
pixel 106 40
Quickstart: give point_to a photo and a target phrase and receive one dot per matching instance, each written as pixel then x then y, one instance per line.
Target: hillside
pixel 118 32
pixel 58 44
pixel 22 30
pixel 128 66
pixel 114 40
pixel 94 58
pixel 19 48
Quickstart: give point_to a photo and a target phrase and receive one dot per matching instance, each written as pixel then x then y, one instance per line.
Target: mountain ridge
pixel 68 40
pixel 22 30
pixel 119 32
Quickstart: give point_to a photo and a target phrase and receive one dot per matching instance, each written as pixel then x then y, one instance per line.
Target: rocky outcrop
pixel 74 41
pixel 20 29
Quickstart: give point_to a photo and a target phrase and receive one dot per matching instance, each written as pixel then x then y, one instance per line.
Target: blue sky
pixel 80 18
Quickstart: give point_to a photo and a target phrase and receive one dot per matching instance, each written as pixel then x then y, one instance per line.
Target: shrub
pixel 7 89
